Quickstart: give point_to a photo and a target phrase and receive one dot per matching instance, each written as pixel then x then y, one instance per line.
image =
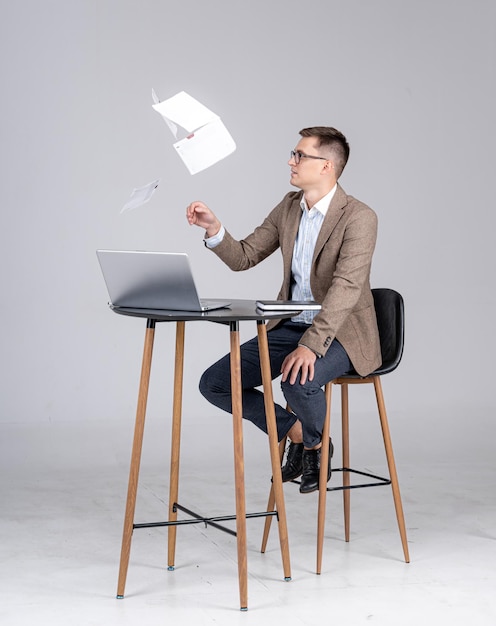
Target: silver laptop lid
pixel 151 280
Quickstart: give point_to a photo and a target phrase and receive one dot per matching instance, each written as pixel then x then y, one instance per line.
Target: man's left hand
pixel 300 360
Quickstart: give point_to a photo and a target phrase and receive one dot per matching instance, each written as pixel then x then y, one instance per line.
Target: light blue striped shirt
pixel 301 265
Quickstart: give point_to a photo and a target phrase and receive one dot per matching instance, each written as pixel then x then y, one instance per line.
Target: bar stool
pixel 389 308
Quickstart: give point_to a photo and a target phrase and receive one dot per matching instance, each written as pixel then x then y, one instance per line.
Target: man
pixel 327 239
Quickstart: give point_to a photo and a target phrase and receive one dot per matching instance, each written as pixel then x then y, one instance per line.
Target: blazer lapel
pixel 290 232
pixel 332 217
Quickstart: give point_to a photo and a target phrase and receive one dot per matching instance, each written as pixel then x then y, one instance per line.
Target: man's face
pixel 308 172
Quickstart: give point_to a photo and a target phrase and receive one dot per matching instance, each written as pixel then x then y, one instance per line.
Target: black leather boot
pixel 311 469
pixel 293 466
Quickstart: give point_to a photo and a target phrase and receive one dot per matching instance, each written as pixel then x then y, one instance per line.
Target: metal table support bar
pixel 199 519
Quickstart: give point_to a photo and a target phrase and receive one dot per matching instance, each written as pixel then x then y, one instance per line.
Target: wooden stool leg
pixel 324 460
pixel 136 457
pixel 345 434
pixel 274 448
pixel 392 466
pixel 175 442
pixel 272 500
pixel 239 467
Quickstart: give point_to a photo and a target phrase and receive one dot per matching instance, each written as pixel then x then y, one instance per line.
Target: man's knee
pixel 297 391
pixel 214 383
pixel 204 385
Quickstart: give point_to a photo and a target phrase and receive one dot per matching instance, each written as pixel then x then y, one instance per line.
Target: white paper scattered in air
pixel 208 141
pixel 140 196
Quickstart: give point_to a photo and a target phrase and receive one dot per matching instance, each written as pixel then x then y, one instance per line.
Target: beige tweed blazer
pixel 340 273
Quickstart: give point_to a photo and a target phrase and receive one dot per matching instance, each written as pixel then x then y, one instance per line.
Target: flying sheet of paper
pixel 209 140
pixel 140 196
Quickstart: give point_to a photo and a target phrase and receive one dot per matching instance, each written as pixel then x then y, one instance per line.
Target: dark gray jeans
pixel 307 401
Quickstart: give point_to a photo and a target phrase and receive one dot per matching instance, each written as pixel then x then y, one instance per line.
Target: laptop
pixel 152 280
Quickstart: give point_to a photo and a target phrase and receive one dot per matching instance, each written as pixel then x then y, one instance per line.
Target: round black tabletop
pixel 234 311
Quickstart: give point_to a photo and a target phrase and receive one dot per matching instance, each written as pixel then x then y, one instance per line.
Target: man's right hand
pixel 199 214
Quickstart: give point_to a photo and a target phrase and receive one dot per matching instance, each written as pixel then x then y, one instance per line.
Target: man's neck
pixel 312 196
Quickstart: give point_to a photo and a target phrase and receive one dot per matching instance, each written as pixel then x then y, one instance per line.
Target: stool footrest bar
pixel 379 480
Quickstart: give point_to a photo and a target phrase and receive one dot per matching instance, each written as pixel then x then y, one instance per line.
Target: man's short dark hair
pixel 334 141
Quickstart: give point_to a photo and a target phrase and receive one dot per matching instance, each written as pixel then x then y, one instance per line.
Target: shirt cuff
pixel 212 242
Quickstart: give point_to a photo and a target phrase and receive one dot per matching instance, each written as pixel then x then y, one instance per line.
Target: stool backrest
pixel 389 308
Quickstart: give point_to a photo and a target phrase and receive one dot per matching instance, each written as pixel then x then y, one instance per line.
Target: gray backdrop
pixel 412 85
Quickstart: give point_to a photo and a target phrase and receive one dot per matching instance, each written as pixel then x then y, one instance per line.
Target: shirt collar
pixel 322 205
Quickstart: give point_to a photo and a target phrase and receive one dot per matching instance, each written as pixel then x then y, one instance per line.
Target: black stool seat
pixel 390 312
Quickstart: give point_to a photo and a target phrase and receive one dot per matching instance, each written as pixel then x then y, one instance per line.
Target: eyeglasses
pixel 297 156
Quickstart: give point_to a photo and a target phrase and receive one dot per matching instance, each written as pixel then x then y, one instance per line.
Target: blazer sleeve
pixel 261 243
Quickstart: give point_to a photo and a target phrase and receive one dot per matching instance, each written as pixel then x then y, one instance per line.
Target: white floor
pixel 61 531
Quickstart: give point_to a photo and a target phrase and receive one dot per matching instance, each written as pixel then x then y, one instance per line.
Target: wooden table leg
pixel 275 456
pixel 175 442
pixel 239 469
pixel 272 500
pixel 136 457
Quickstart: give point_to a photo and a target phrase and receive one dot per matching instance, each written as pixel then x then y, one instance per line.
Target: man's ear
pixel 328 167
